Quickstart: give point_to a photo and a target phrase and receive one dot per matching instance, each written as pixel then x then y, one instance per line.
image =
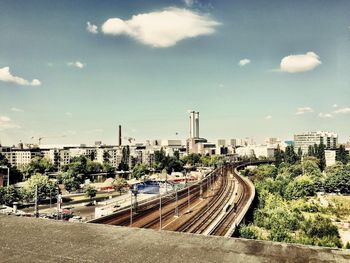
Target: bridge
pixel 39 240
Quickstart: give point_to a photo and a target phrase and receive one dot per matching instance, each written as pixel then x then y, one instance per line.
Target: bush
pixel 249 232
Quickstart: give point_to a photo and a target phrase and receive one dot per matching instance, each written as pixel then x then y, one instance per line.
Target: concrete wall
pixel 39 240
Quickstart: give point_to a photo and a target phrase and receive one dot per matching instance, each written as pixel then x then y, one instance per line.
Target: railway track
pixel 122 218
pixel 213 216
pixel 203 218
pixel 222 228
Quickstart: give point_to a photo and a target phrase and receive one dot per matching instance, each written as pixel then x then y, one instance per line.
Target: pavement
pixel 37 240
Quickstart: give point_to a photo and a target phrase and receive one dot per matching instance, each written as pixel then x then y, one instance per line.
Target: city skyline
pixel 258 69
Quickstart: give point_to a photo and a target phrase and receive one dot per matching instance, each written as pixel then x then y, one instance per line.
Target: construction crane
pixel 46 137
pixel 130 139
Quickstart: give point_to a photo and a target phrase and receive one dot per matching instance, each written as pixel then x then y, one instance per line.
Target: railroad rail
pixel 218 215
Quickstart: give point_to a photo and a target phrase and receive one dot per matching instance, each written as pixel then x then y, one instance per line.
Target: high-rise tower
pixel 194 124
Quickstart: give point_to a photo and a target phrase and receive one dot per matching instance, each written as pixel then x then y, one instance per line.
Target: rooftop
pixel 38 240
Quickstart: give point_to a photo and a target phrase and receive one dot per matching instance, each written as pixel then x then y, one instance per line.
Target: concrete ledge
pixel 38 240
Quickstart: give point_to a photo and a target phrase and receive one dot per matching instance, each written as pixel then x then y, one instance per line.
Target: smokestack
pixel 196 130
pixel 192 124
pixel 120 135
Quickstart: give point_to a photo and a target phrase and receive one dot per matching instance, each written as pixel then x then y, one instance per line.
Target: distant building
pixel 330 156
pixel 221 142
pixel 304 140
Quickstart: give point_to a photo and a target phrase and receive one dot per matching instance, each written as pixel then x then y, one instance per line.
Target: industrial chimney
pixel 120 136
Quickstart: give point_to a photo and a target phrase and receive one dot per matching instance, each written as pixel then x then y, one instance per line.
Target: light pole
pixel 176 202
pixel 8 173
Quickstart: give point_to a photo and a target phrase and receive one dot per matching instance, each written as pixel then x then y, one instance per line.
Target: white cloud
pixel 300 63
pixel 16 109
pixel 76 64
pixel 6 76
pixel 325 115
pixel 91 28
pixel 189 3
pixel 303 110
pixel 163 28
pixel 7 123
pixel 69 114
pixel 345 110
pixel 268 117
pixel 335 106
pixel 244 62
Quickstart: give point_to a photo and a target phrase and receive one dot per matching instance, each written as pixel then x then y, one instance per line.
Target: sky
pixel 71 71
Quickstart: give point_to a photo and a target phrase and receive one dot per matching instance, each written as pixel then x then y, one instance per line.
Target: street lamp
pixel 8 174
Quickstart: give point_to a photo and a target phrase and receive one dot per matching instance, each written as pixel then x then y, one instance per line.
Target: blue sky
pixel 251 68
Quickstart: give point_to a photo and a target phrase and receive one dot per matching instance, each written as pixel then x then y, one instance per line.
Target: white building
pixel 304 140
pixel 330 156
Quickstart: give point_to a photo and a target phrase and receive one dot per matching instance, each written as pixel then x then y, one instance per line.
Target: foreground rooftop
pixel 38 240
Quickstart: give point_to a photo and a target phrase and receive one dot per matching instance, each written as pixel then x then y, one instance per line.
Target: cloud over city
pixel 91 28
pixel 76 64
pixel 6 76
pixel 303 110
pixel 244 62
pixel 300 63
pixel 7 123
pixel 162 29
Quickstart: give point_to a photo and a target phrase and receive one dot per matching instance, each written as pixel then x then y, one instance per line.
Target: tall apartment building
pixel 304 140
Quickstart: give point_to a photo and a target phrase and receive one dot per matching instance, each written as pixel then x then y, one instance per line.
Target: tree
pixel 139 170
pixel 15 175
pixel 108 168
pixel 9 194
pixel 124 164
pixel 278 154
pixel 248 231
pixel 90 191
pixel 301 187
pixel 71 183
pixel 93 167
pixel 192 159
pixel 290 155
pixel 40 165
pixel 300 153
pixel 119 184
pixel 44 185
pixel 342 155
pixel 321 156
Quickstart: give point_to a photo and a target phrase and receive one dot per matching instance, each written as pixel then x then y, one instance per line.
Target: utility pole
pixel 160 210
pixel 176 203
pixel 50 198
pixel 36 202
pixel 131 208
pixel 59 201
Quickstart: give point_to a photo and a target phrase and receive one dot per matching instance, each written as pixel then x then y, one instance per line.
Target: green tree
pixel 90 191
pixel 93 167
pixel 45 187
pixel 278 155
pixel 321 156
pixel 9 194
pixel 40 165
pixel 139 170
pixel 71 183
pixel 108 168
pixel 249 232
pixel 290 156
pixel 191 159
pixel 342 156
pixel 119 184
pixel 124 164
pixel 301 187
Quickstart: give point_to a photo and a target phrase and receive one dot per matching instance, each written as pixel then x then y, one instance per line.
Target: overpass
pixel 38 240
